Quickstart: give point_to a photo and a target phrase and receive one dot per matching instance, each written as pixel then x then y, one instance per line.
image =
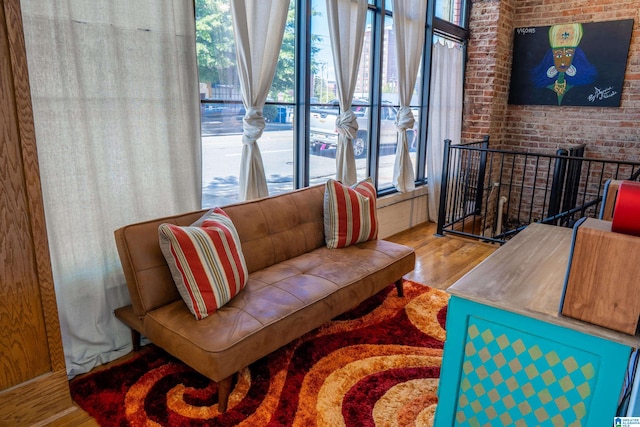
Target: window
pixel 451 11
pixel 295 157
pixel 324 101
pixel 222 110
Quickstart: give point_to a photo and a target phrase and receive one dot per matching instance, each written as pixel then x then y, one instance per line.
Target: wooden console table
pixel 511 359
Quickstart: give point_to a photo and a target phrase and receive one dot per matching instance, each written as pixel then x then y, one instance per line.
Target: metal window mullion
pixel 302 93
pixel 423 121
pixel 466 14
pixel 375 89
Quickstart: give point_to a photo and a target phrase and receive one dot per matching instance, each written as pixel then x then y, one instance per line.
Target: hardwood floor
pixel 440 261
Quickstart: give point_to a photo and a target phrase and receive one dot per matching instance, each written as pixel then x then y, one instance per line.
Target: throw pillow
pixel 206 263
pixel 213 211
pixel 350 214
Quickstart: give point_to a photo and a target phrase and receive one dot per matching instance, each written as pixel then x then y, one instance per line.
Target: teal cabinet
pixel 510 357
pixel 505 369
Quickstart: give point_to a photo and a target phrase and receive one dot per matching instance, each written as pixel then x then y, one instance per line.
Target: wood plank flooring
pixel 440 261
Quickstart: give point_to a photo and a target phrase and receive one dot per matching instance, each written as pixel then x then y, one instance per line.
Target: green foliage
pixel 215 49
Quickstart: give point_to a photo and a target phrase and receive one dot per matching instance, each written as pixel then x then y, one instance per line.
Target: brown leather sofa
pixel 295 284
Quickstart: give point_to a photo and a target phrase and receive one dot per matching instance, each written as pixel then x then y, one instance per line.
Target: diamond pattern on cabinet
pixel 509 378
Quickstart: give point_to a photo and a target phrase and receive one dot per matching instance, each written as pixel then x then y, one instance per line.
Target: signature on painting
pixel 600 94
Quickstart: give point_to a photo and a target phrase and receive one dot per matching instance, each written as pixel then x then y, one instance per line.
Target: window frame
pixel 302 87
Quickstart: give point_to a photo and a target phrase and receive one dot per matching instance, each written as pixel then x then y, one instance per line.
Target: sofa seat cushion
pixel 278 304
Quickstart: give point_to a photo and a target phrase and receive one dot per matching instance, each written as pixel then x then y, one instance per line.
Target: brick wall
pixel 487 73
pixel 610 133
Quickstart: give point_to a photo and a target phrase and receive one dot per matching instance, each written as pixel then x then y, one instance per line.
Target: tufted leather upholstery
pixel 295 283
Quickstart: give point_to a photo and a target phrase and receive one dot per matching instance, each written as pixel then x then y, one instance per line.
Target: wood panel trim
pixel 44 398
pixel 33 186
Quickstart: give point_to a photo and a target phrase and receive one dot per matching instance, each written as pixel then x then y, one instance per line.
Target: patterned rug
pixel 377 365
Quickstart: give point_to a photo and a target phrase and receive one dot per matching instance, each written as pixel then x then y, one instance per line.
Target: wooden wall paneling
pixel 24 351
pixel 32 182
pixel 33 383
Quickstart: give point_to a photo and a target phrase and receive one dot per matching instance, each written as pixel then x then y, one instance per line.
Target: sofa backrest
pixel 271 230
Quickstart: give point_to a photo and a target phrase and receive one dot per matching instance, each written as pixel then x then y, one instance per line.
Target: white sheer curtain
pixel 445 113
pixel 258 26
pixel 346 30
pixel 115 97
pixel 409 18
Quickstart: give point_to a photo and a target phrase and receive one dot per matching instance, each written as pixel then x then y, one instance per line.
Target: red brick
pixel 492 24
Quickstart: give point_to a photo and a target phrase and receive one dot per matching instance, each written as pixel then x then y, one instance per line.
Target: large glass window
pixel 299 157
pixel 323 136
pixel 388 134
pixel 222 110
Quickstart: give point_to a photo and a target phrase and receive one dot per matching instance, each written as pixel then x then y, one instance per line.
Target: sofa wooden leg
pixel 224 389
pixel 399 287
pixel 135 339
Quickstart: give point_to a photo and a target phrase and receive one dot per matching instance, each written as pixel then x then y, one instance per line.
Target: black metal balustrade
pixel 493 194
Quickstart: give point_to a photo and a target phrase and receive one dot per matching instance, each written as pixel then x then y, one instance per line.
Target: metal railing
pixel 493 194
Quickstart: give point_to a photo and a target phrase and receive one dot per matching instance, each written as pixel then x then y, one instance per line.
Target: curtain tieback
pixel 405 119
pixel 347 124
pixel 253 125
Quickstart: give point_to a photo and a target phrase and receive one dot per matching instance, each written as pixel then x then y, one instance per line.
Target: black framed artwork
pixel 578 64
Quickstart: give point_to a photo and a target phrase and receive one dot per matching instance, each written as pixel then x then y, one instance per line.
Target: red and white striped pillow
pixel 206 262
pixel 350 214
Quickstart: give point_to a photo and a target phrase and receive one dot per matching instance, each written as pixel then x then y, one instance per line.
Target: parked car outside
pixel 323 134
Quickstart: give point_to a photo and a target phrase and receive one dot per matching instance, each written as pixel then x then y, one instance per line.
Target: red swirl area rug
pixel 377 365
